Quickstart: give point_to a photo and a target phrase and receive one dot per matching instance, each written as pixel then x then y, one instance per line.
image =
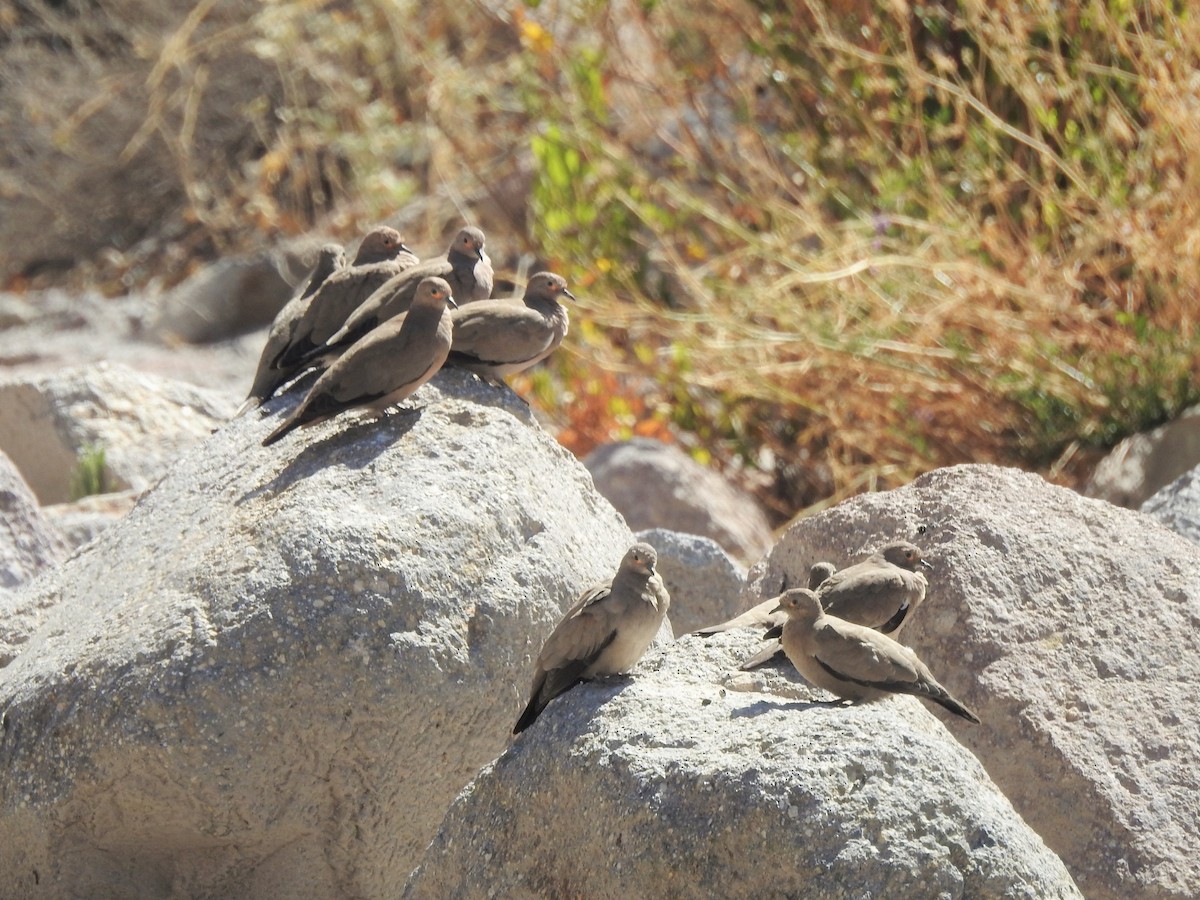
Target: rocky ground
pixel 293 670
pixel 236 671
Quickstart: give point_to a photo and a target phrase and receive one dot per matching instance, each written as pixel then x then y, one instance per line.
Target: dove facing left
pixel 852 661
pixel 881 592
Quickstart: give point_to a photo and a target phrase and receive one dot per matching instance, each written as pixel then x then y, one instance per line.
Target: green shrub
pixel 90 475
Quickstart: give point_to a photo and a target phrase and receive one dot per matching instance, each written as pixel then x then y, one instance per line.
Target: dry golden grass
pixel 825 245
pixel 905 239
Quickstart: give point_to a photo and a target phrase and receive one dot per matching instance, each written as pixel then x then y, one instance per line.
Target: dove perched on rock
pixel 852 661
pixel 881 592
pixel 605 631
pixel 494 338
pixel 381 256
pixel 330 258
pixel 764 615
pixel 386 366
pixel 269 377
pixel 465 266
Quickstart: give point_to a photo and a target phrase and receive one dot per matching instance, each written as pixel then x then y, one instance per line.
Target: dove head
pixel 819 573
pixel 434 293
pixel 331 255
pixel 380 244
pixel 469 242
pixel 799 603
pixel 903 554
pixel 548 286
pixel 640 558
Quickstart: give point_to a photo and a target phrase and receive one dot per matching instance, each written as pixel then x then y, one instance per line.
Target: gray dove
pixel 881 592
pixel 764 615
pixel 494 338
pixel 270 377
pixel 852 661
pixel 605 631
pixel 466 267
pixel 381 255
pixel 385 367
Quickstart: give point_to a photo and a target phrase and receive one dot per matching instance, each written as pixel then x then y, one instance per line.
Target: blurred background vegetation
pixel 823 246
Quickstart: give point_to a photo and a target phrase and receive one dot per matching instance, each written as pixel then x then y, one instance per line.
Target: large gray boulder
pixel 235 295
pixel 1144 463
pixel 1178 505
pixel 64 330
pixel 50 424
pixel 29 544
pixel 271 678
pixel 1073 628
pixel 706 583
pixel 693 780
pixel 656 485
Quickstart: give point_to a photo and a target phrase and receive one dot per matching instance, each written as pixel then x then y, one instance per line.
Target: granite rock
pixel 274 674
pixel 690 779
pixel 1072 627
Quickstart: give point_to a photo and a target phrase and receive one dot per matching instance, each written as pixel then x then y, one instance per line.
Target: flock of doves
pixel 838 632
pixel 381 326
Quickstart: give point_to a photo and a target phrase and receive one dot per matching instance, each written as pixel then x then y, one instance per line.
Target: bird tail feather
pixel 288 424
pixel 954 706
pixel 532 711
pixel 762 657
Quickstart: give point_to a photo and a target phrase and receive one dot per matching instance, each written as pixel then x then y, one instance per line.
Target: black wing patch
pixel 902 687
pixel 896 620
pixel 559 681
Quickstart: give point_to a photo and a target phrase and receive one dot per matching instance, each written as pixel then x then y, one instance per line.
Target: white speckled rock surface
pixel 1178 505
pixel 705 582
pixel 141 422
pixel 1073 628
pixel 692 780
pixel 271 678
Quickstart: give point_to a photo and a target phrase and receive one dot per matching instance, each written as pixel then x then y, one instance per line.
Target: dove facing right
pixel 465 267
pixel 383 368
pixel 494 338
pixel 381 255
pixel 605 631
pixel 269 377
